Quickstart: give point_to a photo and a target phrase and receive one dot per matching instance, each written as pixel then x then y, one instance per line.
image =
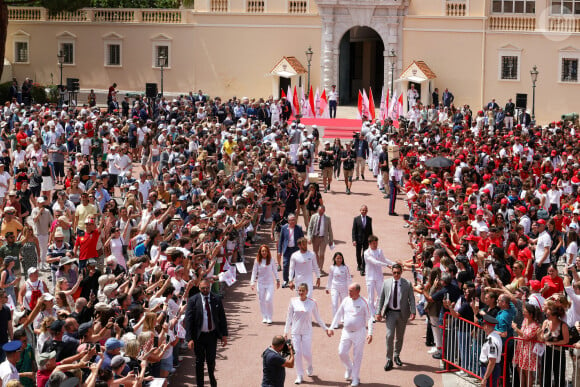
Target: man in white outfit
pixel 294 138
pixel 41 220
pixel 302 265
pixel 357 314
pixel 374 261
pixel 299 324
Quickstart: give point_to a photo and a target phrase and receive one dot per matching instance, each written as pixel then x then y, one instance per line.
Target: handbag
pixel 539 349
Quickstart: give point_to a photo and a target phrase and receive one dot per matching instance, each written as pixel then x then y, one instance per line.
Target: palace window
pixel 68 49
pixel 565 7
pixel 513 6
pixel 509 67
pixel 113 54
pixel 162 51
pixel 569 70
pixel 509 60
pixel 21 51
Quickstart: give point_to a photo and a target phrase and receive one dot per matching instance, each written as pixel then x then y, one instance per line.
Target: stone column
pixel 328 63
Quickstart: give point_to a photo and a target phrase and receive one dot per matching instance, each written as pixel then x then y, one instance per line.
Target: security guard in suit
pixel 490 355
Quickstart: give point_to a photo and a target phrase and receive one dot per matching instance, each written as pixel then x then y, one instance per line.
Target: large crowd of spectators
pixel 496 233
pixel 111 218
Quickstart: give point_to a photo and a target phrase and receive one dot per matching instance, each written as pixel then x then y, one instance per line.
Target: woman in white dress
pixel 339 279
pixel 299 325
pixel 264 273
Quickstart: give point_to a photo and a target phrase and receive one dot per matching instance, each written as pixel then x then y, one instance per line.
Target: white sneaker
pixel 298 380
pixel 309 371
pixel 432 350
pixel 355 382
pixel 269 321
pixel 347 375
pixel 264 320
pixel 461 373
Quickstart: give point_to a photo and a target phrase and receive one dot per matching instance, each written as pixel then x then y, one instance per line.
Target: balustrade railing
pixel 114 16
pixel 297 6
pixel 74 16
pixel 255 6
pixel 564 24
pixel 25 13
pixel 512 23
pixel 161 16
pixel 456 8
pixel 219 6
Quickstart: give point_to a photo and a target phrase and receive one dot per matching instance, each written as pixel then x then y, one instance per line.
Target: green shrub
pixel 52 93
pixel 5 92
pixel 38 94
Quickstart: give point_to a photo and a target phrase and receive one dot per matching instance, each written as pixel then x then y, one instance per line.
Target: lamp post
pixel 162 64
pixel 60 57
pixel 393 58
pixel 309 54
pixel 534 75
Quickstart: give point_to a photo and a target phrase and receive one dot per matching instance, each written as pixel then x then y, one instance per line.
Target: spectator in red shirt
pixel 525 256
pixel 21 137
pixel 552 283
pixel 86 244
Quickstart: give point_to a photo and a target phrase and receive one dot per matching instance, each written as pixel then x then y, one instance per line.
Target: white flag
pixel 365 111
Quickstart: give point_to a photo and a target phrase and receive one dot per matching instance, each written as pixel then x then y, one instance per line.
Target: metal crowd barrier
pixel 462 342
pixel 530 363
pixel 525 363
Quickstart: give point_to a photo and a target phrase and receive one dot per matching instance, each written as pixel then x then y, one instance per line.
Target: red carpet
pixel 331 133
pixel 334 128
pixel 332 123
pixel 342 128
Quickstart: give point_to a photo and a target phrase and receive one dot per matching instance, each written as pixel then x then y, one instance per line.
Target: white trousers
pixel 380 181
pixel 43 243
pixel 337 295
pixel 437 331
pixel 356 341
pixel 266 297
pixel 509 122
pixel 375 166
pixel 374 288
pixel 294 152
pixel 303 352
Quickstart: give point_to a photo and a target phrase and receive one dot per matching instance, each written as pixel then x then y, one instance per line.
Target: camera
pixel 287 348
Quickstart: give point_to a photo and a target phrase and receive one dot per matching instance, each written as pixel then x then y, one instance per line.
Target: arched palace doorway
pixel 361 64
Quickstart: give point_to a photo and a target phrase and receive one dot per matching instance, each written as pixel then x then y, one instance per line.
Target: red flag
pixel 323 104
pixel 296 102
pixel 400 102
pixel 311 101
pixel 360 104
pixel 371 103
pixel 282 94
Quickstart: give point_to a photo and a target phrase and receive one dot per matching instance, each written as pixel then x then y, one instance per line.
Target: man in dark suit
pixel 205 323
pixel 288 244
pixel 201 98
pixel 510 112
pixel 448 98
pixel 362 228
pixel 396 305
pixel 525 119
pixel 435 98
